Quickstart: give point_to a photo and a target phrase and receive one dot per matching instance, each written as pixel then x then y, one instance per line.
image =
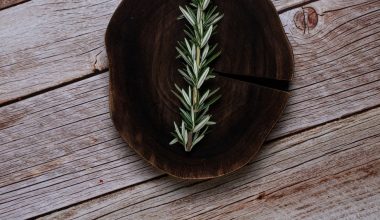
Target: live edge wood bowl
pixel 256 62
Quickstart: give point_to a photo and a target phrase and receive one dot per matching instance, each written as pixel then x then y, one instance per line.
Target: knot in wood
pixel 306 20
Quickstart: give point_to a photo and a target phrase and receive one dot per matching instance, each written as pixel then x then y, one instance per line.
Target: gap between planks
pixel 293 5
pixel 4 4
pixel 12 101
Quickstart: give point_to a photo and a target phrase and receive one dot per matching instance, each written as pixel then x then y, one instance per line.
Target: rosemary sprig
pixel 197 54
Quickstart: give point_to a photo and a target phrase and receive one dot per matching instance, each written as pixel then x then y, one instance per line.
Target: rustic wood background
pixel 62 158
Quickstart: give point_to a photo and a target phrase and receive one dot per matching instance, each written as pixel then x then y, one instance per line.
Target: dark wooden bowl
pixel 256 58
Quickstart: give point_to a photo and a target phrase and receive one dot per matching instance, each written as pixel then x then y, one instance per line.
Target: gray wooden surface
pixel 62 158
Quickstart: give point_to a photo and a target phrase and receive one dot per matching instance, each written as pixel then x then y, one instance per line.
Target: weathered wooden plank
pixel 56 42
pixel 331 172
pixel 337 62
pixel 9 3
pixel 58 146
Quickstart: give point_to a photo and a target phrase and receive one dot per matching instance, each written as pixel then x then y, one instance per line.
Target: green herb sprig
pixel 197 54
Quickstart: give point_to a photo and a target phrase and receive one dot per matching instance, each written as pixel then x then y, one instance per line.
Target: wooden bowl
pixel 256 59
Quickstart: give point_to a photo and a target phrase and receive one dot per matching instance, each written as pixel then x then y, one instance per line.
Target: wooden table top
pixel 62 158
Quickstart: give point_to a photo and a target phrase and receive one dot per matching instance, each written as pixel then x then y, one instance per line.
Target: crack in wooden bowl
pixel 140 42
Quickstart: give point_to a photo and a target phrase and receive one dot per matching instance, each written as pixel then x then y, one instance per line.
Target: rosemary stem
pixel 189 141
pixel 195 89
pixel 198 56
pixel 195 98
pixel 195 103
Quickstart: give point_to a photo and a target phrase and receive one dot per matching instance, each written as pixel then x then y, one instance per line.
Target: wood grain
pixel 331 172
pixel 56 42
pixel 9 3
pixel 58 146
pixel 61 147
pixel 337 68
